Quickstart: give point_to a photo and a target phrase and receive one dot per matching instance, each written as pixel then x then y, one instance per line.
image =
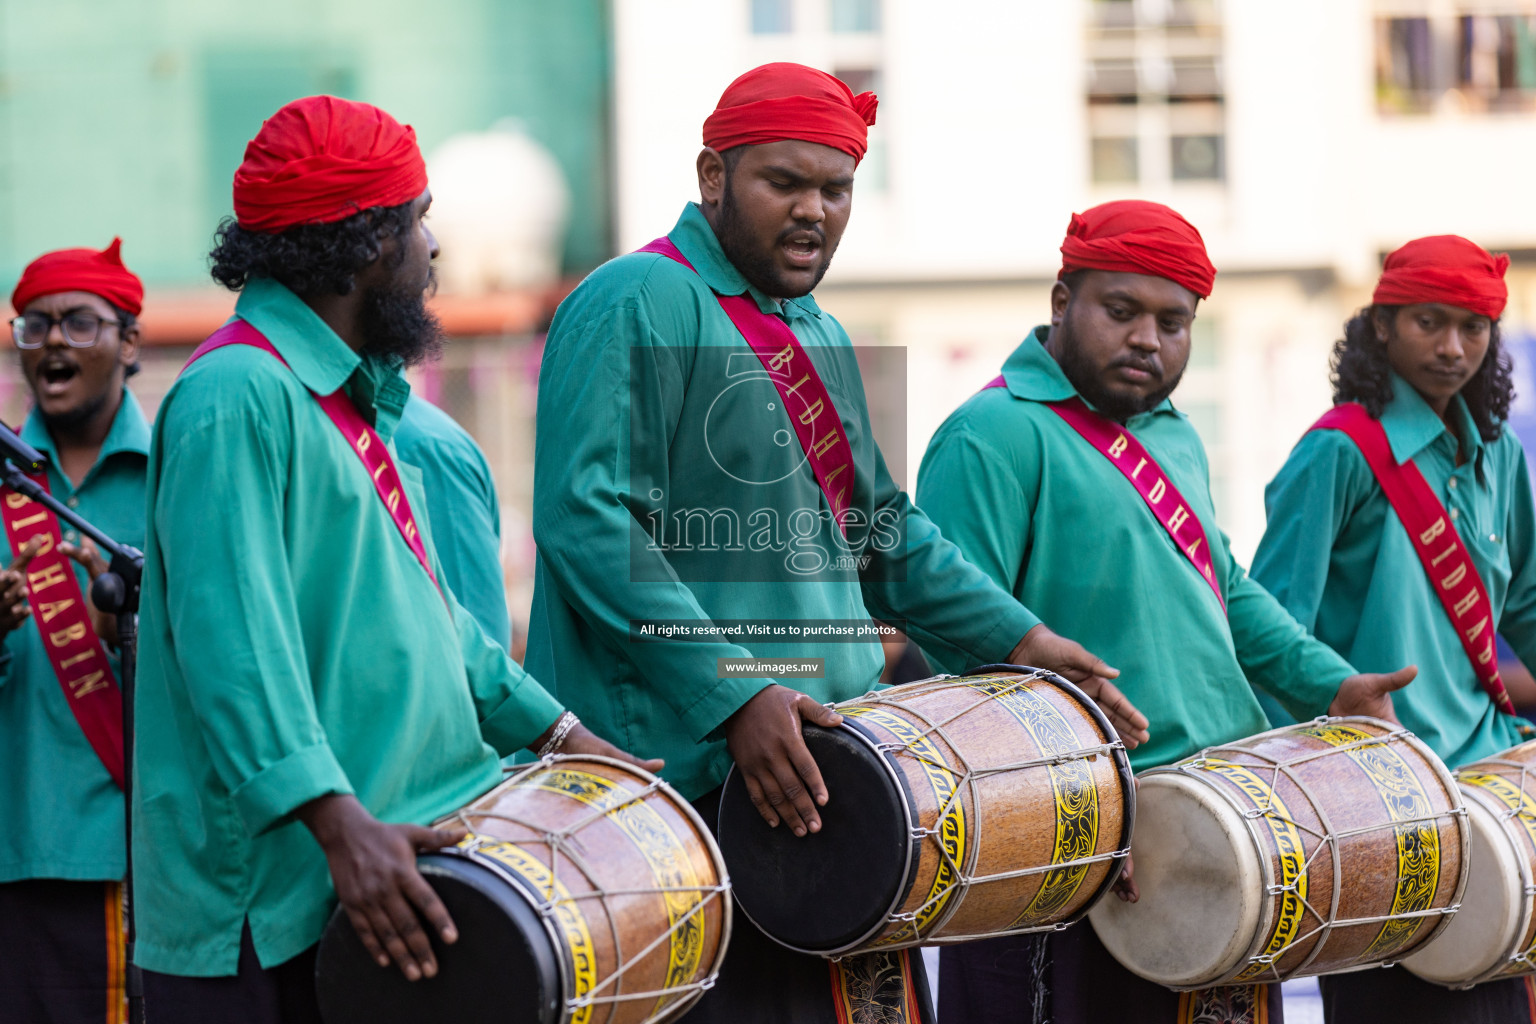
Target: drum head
pixel 504 957
pixel 833 888
pixel 1492 919
pixel 1202 888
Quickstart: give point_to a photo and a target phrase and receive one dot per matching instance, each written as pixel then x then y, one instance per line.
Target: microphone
pixel 18 451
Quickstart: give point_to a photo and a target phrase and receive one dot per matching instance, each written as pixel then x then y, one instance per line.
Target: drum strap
pixel 63 618
pixel 1162 499
pixel 874 987
pixel 361 438
pixel 799 385
pixel 1452 575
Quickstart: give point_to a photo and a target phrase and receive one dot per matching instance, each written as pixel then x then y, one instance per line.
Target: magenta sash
pixel 1127 455
pixel 1452 576
pixel 361 438
pixel 63 618
pixel 826 447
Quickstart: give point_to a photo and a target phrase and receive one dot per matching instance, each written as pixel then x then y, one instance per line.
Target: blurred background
pixel 1305 140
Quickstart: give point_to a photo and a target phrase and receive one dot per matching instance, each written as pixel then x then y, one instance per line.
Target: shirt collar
pixel 318 356
pixel 1032 373
pixel 696 240
pixel 129 432
pixel 1411 425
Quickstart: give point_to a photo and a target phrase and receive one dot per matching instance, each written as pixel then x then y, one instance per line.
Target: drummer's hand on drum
pixel 1125 885
pixel 1370 693
pixel 584 741
pixel 373 866
pixel 1042 648
pixel 780 775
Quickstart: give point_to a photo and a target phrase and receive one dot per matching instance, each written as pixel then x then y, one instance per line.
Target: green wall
pixel 129 116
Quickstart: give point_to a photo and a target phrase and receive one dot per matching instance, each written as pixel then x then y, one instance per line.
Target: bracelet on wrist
pixel 563 726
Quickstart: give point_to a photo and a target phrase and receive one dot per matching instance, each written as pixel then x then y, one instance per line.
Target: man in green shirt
pixel 670 490
pixel 61 850
pixel 1113 546
pixel 463 510
pixel 1425 361
pixel 309 696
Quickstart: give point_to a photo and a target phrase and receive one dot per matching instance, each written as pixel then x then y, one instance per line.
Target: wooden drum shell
pixel 1000 819
pixel 623 889
pixel 1356 831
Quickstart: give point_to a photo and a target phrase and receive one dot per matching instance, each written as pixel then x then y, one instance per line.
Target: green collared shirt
pixel 1337 556
pixel 293 647
pixel 63 814
pixel 463 509
pixel 1050 518
pixel 668 485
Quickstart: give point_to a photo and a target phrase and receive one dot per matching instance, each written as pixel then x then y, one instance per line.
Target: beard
pixel 66 421
pixel 1086 377
pixel 756 265
pixel 396 323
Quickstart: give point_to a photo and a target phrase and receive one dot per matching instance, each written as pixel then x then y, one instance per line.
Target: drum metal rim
pixel 896 777
pixel 1122 761
pixel 722 891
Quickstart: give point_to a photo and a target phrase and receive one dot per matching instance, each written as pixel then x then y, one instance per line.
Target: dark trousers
pixel 761 982
pixel 284 994
pixel 1069 977
pixel 1393 995
pixel 61 952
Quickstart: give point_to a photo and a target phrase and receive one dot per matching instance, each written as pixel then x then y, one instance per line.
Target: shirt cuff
pixel 521 718
pixel 1308 693
pixel 278 790
pixel 1005 636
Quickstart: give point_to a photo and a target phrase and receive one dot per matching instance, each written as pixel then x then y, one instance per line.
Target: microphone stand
pixel 116 592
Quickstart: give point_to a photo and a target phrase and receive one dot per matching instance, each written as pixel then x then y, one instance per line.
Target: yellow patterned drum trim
pixel 567 914
pixel 1418 841
pixel 952 824
pixel 664 852
pixel 1072 786
pixel 1524 808
pixel 1292 856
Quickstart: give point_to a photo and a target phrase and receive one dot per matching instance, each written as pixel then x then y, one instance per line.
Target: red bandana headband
pixel 322 159
pixel 791 101
pixel 1446 269
pixel 1137 237
pixel 81 270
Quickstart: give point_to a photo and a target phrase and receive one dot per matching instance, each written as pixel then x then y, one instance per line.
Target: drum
pixel 1322 847
pixel 587 892
pixel 1493 935
pixel 958 807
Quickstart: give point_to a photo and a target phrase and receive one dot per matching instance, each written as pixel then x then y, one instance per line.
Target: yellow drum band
pixel 664 852
pixel 1418 839
pixel 573 924
pixel 1072 786
pixel 951 825
pixel 1524 808
pixel 1288 848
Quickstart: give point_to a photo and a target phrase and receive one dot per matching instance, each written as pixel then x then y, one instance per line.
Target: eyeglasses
pixel 80 328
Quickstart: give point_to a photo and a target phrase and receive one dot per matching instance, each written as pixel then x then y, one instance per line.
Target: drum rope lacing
pixel 1328 839
pixel 909 933
pixel 559 845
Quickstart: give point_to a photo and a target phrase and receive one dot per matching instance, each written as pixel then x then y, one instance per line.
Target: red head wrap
pixel 791 101
pixel 1136 237
pixel 1448 269
pixel 321 159
pixel 81 270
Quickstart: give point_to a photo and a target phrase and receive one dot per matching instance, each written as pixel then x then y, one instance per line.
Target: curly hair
pixel 1361 372
pixel 309 259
